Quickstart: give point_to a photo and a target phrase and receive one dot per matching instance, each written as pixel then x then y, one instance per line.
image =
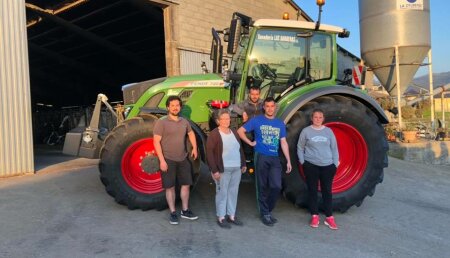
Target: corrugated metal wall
pixel 190 61
pixel 16 143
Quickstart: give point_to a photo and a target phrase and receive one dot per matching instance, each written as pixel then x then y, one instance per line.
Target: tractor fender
pixel 201 139
pixel 335 90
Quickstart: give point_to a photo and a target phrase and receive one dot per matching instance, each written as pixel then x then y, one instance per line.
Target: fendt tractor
pixel 293 61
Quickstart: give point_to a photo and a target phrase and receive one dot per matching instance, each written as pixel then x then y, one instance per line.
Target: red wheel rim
pixel 133 173
pixel 353 156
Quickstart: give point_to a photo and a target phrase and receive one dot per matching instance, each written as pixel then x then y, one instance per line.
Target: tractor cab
pixel 277 56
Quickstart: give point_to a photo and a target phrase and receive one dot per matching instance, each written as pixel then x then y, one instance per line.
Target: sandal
pixel 236 221
pixel 223 224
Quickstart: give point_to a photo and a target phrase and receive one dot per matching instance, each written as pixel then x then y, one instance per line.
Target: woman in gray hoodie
pixel 318 153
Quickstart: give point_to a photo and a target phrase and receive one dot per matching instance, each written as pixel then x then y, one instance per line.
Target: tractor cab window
pixel 237 66
pixel 282 58
pixel 320 57
pixel 239 57
pixel 277 60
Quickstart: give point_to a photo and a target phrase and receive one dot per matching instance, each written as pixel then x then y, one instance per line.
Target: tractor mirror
pixel 234 35
pixel 344 34
pixel 216 52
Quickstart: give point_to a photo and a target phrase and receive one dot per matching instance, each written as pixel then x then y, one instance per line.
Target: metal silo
pixel 387 24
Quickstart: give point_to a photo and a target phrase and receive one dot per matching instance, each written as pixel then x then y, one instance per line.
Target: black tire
pixel 355 114
pixel 114 147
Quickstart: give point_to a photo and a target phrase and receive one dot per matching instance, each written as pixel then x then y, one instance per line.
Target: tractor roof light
pixel 320 2
pixel 285 16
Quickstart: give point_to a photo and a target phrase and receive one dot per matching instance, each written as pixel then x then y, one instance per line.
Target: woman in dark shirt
pixel 226 161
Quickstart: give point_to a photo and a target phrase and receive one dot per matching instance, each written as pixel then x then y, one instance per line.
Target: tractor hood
pixel 133 91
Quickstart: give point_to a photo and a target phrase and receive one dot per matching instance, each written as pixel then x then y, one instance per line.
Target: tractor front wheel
pixel 129 166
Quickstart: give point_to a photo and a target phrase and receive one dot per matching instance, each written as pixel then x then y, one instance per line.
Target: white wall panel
pixel 16 143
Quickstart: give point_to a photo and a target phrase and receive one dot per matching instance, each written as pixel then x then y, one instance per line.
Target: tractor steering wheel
pixel 263 71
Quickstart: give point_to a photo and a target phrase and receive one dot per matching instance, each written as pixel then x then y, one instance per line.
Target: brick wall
pixel 196 18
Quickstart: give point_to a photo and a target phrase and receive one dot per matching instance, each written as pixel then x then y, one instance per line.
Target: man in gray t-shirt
pixel 251 107
pixel 170 144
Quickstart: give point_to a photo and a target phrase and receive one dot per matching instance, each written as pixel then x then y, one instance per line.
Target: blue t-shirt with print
pixel 268 133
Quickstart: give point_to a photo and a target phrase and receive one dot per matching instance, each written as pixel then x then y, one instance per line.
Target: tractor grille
pixel 185 95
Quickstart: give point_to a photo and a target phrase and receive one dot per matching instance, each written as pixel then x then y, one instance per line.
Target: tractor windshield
pixel 281 58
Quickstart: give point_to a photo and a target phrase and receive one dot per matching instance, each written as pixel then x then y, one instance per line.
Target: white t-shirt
pixel 231 155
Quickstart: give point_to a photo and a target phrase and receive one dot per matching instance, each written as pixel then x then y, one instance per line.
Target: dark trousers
pixel 268 183
pixel 325 175
pixel 248 150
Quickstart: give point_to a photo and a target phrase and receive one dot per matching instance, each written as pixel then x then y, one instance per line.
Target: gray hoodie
pixel 317 146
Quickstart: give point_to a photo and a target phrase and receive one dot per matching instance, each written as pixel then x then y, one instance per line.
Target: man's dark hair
pixel 254 88
pixel 172 98
pixel 269 99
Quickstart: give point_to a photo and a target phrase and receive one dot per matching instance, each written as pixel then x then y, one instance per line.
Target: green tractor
pixel 293 61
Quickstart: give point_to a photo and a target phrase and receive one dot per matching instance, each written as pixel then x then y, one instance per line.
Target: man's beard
pixel 174 114
pixel 271 115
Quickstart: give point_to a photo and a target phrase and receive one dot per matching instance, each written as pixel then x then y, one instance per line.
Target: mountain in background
pixel 439 79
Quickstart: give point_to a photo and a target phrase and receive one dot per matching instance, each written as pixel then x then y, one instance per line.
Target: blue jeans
pixel 268 175
pixel 227 192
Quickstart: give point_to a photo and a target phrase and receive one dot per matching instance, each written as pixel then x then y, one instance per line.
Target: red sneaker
pixel 315 220
pixel 329 221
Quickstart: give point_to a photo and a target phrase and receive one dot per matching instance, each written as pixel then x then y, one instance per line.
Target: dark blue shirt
pixel 268 133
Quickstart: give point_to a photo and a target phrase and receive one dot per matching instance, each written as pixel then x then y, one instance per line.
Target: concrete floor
pixel 64 211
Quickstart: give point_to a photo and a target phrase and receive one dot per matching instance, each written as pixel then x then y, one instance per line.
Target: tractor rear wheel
pixel 129 166
pixel 362 151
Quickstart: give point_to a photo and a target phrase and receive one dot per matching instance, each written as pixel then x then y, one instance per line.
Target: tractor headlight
pixel 126 111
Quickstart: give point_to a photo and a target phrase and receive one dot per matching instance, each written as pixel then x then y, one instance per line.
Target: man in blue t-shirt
pixel 270 133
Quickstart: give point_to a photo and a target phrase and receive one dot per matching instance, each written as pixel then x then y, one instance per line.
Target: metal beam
pixel 75 47
pixel 75 20
pixel 89 36
pixel 148 7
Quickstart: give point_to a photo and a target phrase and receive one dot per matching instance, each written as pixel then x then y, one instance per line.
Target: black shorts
pixel 180 171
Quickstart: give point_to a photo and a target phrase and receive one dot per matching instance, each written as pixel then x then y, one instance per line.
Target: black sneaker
pixel 265 219
pixel 173 218
pixel 188 214
pixel 273 219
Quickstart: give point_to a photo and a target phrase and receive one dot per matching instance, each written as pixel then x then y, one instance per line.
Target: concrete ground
pixel 64 211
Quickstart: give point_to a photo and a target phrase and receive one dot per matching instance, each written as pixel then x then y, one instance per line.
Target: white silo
pixel 387 25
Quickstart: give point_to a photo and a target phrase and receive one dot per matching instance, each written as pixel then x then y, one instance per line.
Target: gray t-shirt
pixel 173 137
pixel 317 146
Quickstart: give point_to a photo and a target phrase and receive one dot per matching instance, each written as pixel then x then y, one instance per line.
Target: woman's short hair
pixel 222 111
pixel 317 110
